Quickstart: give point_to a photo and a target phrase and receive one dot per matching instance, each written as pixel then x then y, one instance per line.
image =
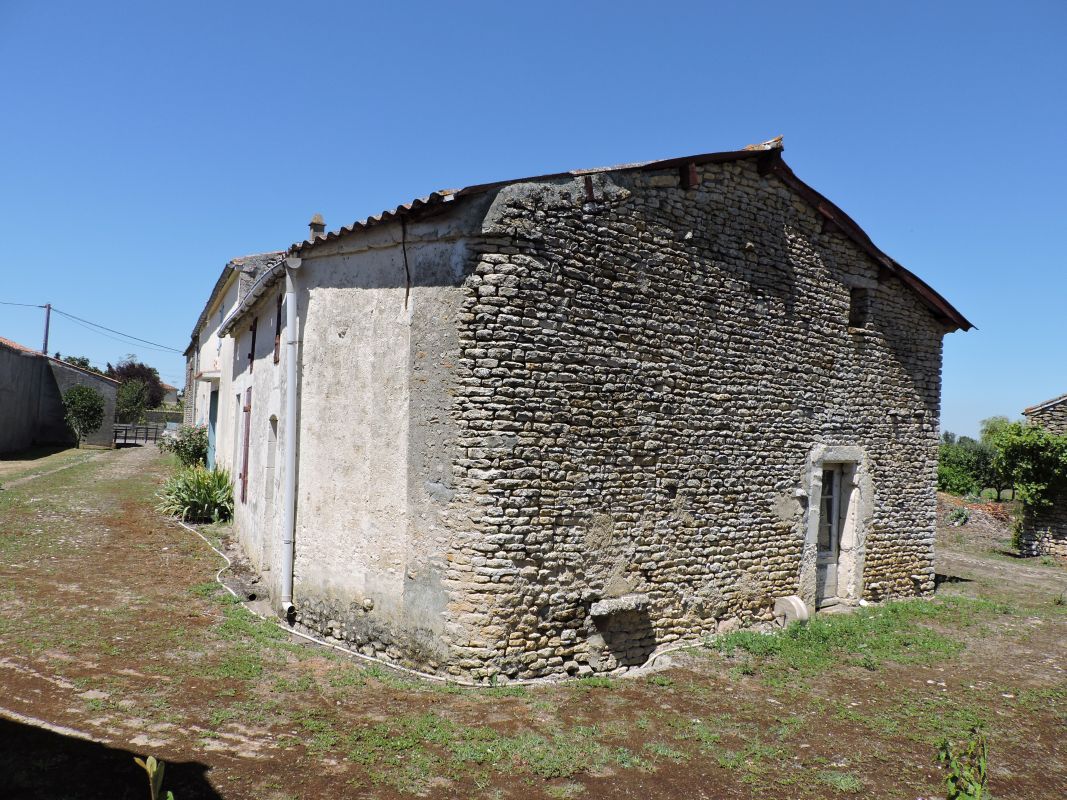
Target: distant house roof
pixel 23 349
pixel 249 267
pixel 168 387
pixel 768 156
pixel 1055 401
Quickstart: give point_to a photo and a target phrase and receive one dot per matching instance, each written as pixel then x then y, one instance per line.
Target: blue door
pixel 212 422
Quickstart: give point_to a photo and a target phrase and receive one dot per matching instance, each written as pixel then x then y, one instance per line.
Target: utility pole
pixel 47 319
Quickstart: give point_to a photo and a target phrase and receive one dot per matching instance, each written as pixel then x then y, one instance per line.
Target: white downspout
pixel 292 354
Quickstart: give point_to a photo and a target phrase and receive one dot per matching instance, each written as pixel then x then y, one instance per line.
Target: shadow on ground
pixel 42 765
pixel 35 453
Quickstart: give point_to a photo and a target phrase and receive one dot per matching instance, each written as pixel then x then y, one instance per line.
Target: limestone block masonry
pixel 623 392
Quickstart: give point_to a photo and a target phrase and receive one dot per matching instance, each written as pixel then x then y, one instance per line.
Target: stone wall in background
pixel 1052 417
pixel 1045 530
pixel 31 401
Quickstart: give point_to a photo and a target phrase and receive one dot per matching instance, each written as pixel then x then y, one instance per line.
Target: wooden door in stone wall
pixel 831 515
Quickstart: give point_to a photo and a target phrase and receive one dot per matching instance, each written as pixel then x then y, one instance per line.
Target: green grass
pixel 749 758
pixel 595 682
pixel 402 749
pixel 242 665
pixel 866 637
pixel 347 676
pixel 841 781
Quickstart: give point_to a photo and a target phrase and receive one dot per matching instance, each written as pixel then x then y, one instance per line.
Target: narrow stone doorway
pixel 840 498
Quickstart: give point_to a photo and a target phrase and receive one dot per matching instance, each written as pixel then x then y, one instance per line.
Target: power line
pixel 120 333
pixel 96 327
pixel 114 338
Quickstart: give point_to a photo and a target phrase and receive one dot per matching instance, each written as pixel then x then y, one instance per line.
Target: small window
pixel 859 310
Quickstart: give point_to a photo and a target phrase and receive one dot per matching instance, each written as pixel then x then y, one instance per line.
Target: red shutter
pixel 244 452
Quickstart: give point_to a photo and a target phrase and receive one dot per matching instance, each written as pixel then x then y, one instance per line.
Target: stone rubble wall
pixel 641 380
pixel 1045 530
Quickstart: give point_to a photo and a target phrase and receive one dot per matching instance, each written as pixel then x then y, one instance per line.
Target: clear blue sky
pixel 145 144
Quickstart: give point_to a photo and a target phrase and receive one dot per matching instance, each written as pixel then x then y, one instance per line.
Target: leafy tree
pixel 1035 461
pixel 131 369
pixel 964 464
pixel 80 361
pixel 131 400
pixel 84 410
pixel 991 433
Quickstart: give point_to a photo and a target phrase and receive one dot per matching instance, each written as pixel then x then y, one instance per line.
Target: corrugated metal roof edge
pixel 771 162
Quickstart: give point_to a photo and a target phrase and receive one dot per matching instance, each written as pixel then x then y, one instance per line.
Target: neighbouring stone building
pixel 1044 530
pixel 31 399
pixel 550 425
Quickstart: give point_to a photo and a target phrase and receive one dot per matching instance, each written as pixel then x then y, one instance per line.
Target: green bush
pixel 131 400
pixel 83 408
pixel 197 494
pixel 955 479
pixel 190 445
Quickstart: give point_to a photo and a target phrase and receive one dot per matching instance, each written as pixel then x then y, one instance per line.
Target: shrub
pixel 83 407
pixel 197 494
pixel 959 516
pixel 190 445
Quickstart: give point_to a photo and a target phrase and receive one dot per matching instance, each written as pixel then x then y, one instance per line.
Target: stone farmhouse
pixel 552 425
pixel 31 399
pixel 1045 529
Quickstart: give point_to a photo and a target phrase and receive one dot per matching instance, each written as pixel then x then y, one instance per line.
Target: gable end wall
pixel 643 379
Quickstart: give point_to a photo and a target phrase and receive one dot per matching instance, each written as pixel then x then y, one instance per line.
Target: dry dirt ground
pixel 115 641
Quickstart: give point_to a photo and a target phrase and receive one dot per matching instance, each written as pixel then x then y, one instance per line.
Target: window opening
pixel 859 308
